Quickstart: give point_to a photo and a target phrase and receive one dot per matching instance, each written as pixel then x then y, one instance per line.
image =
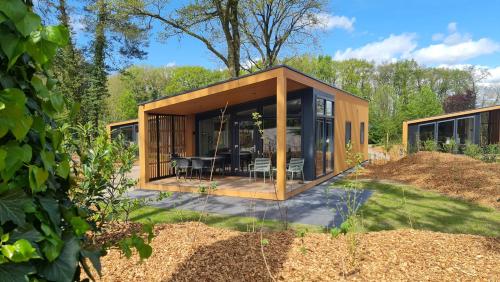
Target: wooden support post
pixel 281 136
pixel 143 147
pixel 404 136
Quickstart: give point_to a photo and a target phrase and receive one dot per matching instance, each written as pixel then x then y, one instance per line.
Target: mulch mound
pixel 196 252
pixel 454 175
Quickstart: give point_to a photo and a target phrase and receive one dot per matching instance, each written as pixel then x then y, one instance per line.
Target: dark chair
pixel 181 165
pixel 198 165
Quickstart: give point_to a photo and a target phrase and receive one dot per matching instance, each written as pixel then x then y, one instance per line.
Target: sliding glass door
pixel 324 137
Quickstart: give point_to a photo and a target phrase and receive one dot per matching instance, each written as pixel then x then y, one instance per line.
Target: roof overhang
pixel 455 114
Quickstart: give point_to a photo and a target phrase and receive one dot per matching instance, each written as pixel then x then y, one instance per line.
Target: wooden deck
pixel 235 186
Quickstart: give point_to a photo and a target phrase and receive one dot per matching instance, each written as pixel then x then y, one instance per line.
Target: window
pixel 347 132
pixel 362 133
pixel 426 132
pixel 320 107
pixel 208 130
pixel 329 108
pixel 446 131
pixel 465 130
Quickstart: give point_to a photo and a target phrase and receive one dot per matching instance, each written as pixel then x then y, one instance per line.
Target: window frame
pixel 362 133
pixel 348 138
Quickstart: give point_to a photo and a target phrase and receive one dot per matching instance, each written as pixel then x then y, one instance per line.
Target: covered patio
pixel 187 126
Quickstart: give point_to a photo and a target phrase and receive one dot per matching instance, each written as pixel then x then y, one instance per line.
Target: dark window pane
pixel 362 133
pixel 426 132
pixel 208 130
pixel 269 110
pixel 347 132
pixel 329 146
pixel 320 107
pixel 329 108
pixel 445 132
pixel 465 131
pixel 319 147
pixel 293 138
pixel 294 107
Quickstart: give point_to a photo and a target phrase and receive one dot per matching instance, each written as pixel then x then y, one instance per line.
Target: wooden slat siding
pixel 166 136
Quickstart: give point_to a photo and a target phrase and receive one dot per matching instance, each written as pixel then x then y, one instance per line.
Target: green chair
pixel 295 166
pixel 260 165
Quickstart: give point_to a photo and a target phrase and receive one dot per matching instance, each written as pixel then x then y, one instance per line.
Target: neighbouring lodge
pixel 478 126
pixel 300 142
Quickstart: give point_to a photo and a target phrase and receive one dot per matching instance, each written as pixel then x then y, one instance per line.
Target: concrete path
pixel 321 205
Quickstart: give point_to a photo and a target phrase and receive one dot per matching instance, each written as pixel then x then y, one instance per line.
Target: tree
pixel 69 65
pixel 215 23
pixel 271 25
pixel 41 230
pixel 423 104
pixel 187 78
pixel 460 102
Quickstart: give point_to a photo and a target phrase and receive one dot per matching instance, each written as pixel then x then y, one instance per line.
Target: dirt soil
pixel 196 252
pixel 453 175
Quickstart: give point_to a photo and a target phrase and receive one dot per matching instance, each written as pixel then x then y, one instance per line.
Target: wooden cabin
pixel 478 126
pixel 302 117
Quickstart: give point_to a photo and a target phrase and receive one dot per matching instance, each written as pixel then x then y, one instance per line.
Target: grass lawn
pixel 391 206
pixel 161 215
pixel 394 206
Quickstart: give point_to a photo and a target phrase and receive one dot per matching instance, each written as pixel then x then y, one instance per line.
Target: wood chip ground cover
pixel 196 252
pixel 453 175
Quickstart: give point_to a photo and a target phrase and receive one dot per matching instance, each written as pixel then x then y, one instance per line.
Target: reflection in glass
pixel 329 108
pixel 247 143
pixel 465 130
pixel 293 138
pixel 329 146
pixel 446 131
pixel 320 107
pixel 426 132
pixel 319 147
pixel 208 131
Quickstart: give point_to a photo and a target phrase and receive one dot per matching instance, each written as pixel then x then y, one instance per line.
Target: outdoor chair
pixel 198 165
pixel 260 165
pixel 295 166
pixel 181 165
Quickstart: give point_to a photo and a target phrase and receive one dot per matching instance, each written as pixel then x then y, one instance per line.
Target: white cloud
pixel 328 21
pixel 453 48
pixel 171 64
pixel 455 53
pixel 388 49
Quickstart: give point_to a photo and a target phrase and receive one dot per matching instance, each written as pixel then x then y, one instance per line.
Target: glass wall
pixel 426 132
pixel 324 136
pixel 465 130
pixel 208 130
pixel 446 132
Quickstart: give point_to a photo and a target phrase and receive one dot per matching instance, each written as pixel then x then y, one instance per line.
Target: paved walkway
pixel 321 205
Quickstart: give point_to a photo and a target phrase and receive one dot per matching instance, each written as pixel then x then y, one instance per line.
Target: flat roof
pixel 251 74
pixel 455 114
pixel 125 122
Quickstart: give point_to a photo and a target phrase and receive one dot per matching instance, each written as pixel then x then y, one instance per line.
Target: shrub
pixel 491 153
pixel 41 230
pixel 473 150
pixel 430 145
pixel 450 146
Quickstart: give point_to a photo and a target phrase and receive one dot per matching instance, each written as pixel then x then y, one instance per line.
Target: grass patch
pixel 239 223
pixel 394 206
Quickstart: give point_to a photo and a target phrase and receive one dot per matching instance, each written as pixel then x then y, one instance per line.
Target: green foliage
pixel 430 145
pixel 450 146
pixel 473 150
pixel 38 241
pixel 143 248
pixel 187 78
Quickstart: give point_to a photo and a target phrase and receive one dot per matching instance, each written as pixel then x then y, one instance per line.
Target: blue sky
pixel 435 33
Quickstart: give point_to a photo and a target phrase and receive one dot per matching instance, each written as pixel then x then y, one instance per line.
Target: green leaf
pixel 57 101
pixel 48 159
pixel 56 136
pixel 16 272
pixel 145 251
pixel 2 18
pixel 95 257
pixel 63 169
pixel 20 251
pixel 41 89
pixel 3 155
pixel 58 34
pixel 13 9
pixel 28 232
pixel 11 206
pixel 15 157
pixel 8 43
pixel 28 23
pixel 63 269
pixel 80 226
pixel 22 127
pixel 4 238
pixel 51 206
pixel 37 178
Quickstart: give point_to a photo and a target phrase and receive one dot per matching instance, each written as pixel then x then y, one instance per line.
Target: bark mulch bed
pixel 453 175
pixel 196 252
